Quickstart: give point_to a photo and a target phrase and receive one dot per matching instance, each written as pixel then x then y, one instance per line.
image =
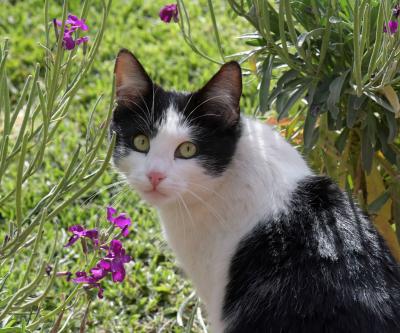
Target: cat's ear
pixel 132 81
pixel 222 93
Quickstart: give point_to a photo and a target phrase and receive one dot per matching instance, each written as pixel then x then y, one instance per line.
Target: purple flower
pixel 82 277
pixel 82 40
pixel 121 221
pixel 101 270
pixel 393 27
pixel 68 41
pixel 78 232
pixel 76 23
pixel 114 261
pixel 169 12
pixel 72 24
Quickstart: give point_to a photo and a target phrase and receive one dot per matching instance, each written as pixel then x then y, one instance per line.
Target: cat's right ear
pixel 131 80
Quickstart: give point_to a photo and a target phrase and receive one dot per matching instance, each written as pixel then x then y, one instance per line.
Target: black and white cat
pixel 269 246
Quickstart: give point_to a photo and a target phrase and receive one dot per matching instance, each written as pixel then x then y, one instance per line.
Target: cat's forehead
pixel 174 122
pixel 171 113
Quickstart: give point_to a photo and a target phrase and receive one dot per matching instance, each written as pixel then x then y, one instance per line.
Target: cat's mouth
pixel 155 192
pixel 153 196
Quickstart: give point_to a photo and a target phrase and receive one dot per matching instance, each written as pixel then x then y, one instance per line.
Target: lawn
pixel 149 298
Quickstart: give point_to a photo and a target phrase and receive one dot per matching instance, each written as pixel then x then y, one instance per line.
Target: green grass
pixel 149 298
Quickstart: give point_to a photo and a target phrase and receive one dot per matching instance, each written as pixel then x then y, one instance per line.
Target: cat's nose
pixel 155 178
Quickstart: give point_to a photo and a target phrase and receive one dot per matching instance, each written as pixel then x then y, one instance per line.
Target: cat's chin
pixel 155 198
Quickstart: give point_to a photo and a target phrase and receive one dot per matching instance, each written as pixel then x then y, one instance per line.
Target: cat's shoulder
pixel 319 221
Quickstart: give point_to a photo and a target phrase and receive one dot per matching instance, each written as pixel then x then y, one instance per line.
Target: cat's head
pixel 172 145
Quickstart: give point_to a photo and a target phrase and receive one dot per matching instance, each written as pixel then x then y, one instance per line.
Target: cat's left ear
pixel 222 93
pixel 131 80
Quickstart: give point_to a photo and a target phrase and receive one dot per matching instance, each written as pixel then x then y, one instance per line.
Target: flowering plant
pixel 113 262
pixel 29 124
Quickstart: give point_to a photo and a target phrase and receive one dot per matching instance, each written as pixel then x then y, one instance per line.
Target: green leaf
pixel 379 101
pixel 285 105
pixel 281 102
pixel 305 36
pixel 308 133
pixel 367 151
pixel 392 125
pixel 371 127
pixel 353 113
pixel 378 203
pixel 335 89
pixel 265 83
pixel 341 140
pixel 335 20
pixel 288 77
pixel 387 151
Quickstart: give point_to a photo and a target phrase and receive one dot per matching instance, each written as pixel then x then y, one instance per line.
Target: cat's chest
pixel 204 242
pixel 203 252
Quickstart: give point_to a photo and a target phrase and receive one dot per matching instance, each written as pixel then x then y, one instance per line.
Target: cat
pixel 269 246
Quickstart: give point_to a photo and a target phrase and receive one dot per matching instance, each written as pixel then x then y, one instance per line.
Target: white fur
pixel 204 217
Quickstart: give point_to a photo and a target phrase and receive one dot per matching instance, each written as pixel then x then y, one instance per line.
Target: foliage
pixel 330 70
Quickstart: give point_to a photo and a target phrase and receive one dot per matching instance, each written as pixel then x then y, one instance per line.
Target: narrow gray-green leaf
pixel 379 101
pixel 309 126
pixel 265 83
pixel 307 35
pixel 392 125
pixel 341 140
pixel 294 97
pixel 367 151
pixel 335 90
pixel 378 203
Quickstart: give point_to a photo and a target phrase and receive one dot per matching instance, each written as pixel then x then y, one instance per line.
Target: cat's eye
pixel 141 143
pixel 186 150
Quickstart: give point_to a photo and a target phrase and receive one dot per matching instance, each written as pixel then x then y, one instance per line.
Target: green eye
pixel 186 150
pixel 141 143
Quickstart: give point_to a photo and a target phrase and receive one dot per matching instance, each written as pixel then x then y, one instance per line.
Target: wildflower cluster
pixel 114 259
pixel 393 24
pixel 72 25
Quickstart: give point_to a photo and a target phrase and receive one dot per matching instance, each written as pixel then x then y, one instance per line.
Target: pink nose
pixel 155 178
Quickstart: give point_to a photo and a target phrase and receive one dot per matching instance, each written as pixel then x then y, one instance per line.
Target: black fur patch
pixel 142 116
pixel 216 140
pixel 320 267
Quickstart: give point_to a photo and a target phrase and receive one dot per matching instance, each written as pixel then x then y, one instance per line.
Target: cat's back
pixel 318 266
